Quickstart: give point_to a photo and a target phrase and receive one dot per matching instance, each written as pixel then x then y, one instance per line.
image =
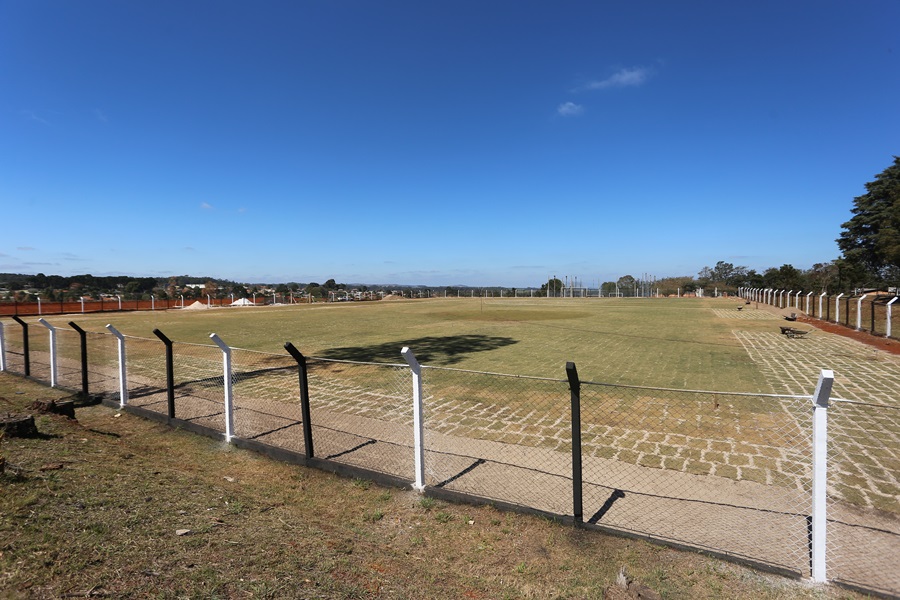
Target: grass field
pixel 683 343
pixel 654 342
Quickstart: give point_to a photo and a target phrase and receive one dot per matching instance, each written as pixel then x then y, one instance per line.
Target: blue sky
pixel 439 143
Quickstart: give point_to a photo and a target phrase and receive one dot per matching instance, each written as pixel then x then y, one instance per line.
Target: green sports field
pixel 674 342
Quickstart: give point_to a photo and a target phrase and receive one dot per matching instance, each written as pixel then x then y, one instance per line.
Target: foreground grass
pixel 112 505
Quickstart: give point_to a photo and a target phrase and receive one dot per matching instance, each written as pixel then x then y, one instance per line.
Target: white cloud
pixel 205 206
pixel 569 109
pixel 26 248
pixel 100 116
pixel 622 78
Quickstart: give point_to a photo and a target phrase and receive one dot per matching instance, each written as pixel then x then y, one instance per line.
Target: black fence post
pixel 170 372
pixel 577 495
pixel 84 359
pixel 872 329
pixel 24 325
pixel 304 398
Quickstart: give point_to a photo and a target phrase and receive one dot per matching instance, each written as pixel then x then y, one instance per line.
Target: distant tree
pixel 210 288
pixel 821 276
pixel 871 238
pixel 556 287
pixel 626 285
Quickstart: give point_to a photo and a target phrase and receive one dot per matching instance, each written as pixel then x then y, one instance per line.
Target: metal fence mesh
pixel 501 437
pixel 146 373
pixel 15 349
pixel 864 495
pixel 68 358
pixel 199 380
pixel 103 365
pixel 727 472
pixel 362 414
pixel 266 398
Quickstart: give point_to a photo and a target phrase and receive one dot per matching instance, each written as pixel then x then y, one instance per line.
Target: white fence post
pixel 419 449
pixel 3 346
pixel 820 472
pixel 837 308
pixel 859 312
pixel 808 300
pixel 229 393
pixel 53 369
pixel 887 333
pixel 123 383
pixel 820 304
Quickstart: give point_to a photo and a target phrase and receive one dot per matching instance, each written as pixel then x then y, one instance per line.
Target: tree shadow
pixel 430 350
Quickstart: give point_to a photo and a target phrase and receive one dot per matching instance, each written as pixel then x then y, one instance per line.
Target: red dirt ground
pixel 882 343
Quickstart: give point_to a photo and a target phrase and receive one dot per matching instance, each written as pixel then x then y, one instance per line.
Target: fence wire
pixel 103 365
pixel 864 495
pixel 13 339
pixel 727 472
pixel 146 373
pixel 267 398
pixel 68 358
pixel 362 414
pixel 199 381
pixel 501 437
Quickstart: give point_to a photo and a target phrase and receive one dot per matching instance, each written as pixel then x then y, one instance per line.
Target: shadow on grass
pixel 430 350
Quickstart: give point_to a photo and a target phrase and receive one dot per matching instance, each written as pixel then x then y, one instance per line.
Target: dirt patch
pixel 882 343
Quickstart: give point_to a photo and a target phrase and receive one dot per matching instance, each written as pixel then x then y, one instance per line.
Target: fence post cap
pixel 409 357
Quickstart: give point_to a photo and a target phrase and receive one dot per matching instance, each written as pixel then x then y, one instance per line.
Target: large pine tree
pixel 871 238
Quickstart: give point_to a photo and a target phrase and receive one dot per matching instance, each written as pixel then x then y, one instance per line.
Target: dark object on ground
pixel 793 317
pixel 56 407
pixel 14 425
pixel 793 333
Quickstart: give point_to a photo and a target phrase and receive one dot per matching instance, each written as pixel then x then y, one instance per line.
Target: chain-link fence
pixel 729 473
pixel 362 414
pixel 864 495
pixel 103 365
pixel 198 390
pixel 266 398
pixel 500 437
